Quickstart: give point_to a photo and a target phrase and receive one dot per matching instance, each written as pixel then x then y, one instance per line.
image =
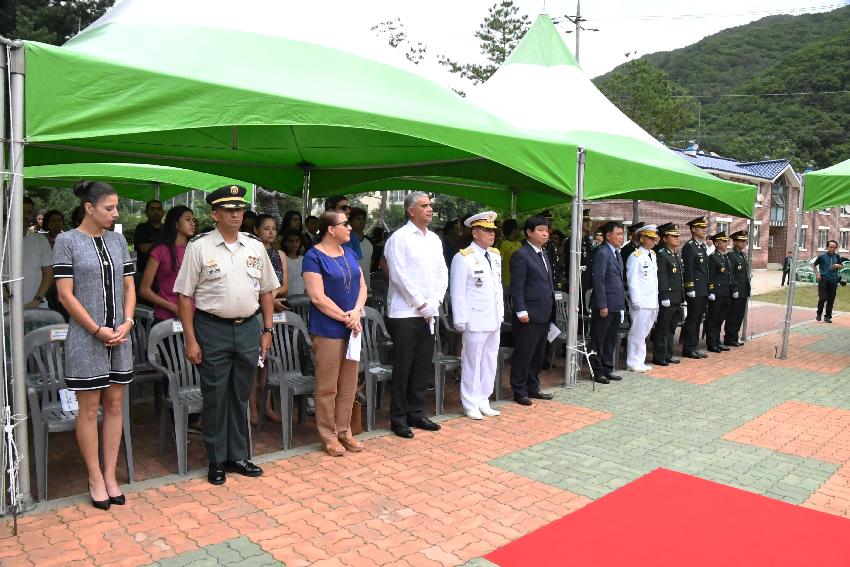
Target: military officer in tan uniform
pixel 478 311
pixel 229 275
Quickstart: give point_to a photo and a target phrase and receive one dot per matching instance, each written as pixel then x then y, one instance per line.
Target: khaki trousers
pixel 336 384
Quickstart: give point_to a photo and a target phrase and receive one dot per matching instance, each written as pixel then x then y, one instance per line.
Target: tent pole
pixel 513 203
pixel 3 456
pixel 792 275
pixel 382 211
pixel 750 245
pixel 305 194
pixel 254 197
pixel 572 366
pixel 156 187
pixel 635 211
pixel 16 234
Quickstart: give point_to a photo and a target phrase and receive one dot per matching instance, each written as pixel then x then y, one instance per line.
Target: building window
pixel 396 197
pixel 756 234
pixel 723 226
pixel 804 235
pixel 770 241
pixel 844 239
pixel 823 236
pixel 777 202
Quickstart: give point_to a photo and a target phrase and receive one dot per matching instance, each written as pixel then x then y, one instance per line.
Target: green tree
pixel 49 21
pixel 646 95
pixel 499 33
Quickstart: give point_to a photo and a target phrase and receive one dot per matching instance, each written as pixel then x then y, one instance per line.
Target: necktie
pixel 545 265
pixel 487 255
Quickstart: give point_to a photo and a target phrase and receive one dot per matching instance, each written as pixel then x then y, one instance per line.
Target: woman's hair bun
pixel 81 188
pixel 92 191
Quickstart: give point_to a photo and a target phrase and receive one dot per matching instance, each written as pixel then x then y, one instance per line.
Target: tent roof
pixel 259 106
pixel 828 187
pixel 131 180
pixel 541 89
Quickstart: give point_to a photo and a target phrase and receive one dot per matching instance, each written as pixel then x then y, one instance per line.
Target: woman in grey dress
pixel 94 280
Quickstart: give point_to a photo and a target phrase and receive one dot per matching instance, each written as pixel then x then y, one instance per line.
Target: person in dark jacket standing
pixel 608 302
pixel 741 273
pixel 722 289
pixel 533 296
pixel 633 243
pixel 695 264
pixel 827 266
pixel 786 268
pixel 670 295
pixel 587 246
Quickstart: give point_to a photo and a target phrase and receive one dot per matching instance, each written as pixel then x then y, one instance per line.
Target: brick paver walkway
pixel 743 418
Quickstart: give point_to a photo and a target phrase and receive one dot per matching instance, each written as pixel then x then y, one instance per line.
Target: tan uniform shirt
pixel 222 282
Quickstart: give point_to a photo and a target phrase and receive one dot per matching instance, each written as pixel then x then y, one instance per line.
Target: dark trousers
pixel 603 340
pixel 826 296
pixel 732 329
pixel 527 360
pixel 228 365
pixel 413 351
pixel 718 310
pixel 665 329
pixel 785 275
pixel 690 331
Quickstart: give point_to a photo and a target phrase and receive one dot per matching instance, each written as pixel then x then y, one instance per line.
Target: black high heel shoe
pixel 119 500
pixel 100 504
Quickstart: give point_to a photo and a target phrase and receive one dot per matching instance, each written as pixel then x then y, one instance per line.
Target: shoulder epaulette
pixel 203 234
pixel 251 235
pixel 636 252
pixel 466 251
pixel 494 250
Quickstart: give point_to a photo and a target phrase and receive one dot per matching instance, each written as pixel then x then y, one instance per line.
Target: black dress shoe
pixel 540 396
pixel 702 354
pixel 100 504
pixel 423 423
pixel 715 349
pixel 522 400
pixel 245 468
pixel 402 431
pixel 691 354
pixel 119 500
pixel 216 474
pixel 612 376
pixel 723 348
pixel 827 319
pixel 673 361
pixel 660 362
pixel 737 343
pixel 601 379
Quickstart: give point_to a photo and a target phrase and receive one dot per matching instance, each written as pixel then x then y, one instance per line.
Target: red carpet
pixel 669 518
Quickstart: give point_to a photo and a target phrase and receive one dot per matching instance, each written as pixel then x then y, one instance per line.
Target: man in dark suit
pixel 533 295
pixel 741 273
pixel 786 268
pixel 608 302
pixel 587 246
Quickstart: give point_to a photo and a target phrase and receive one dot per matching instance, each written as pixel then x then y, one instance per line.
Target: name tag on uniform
pixel 211 267
pixel 478 272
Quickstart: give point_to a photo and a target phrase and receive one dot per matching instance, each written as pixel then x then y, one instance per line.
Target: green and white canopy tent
pixel 822 189
pixel 542 90
pixel 132 180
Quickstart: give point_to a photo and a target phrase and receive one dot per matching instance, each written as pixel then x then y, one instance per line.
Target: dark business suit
pixel 608 292
pixel 786 269
pixel 738 307
pixel 533 291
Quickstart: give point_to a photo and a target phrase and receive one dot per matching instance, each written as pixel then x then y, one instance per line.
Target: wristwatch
pixel 268 330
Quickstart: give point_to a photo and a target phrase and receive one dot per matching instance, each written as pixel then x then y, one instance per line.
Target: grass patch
pixel 806 295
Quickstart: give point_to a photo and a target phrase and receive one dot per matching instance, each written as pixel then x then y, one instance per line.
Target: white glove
pixel 460 327
pixel 665 302
pixel 711 297
pixel 429 310
pixel 735 295
pixel 691 294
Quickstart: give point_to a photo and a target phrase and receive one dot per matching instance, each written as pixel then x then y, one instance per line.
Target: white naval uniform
pixel 477 303
pixel 642 278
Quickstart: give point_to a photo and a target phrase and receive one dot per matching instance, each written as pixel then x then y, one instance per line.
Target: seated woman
pixel 165 261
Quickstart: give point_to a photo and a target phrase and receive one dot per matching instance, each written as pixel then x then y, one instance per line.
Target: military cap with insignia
pixel 740 235
pixel 647 230
pixel 635 227
pixel 671 229
pixel 482 220
pixel 228 197
pixel 699 221
pixel 719 236
pixel 585 213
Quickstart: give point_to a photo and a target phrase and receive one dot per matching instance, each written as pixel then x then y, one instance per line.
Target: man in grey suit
pixel 608 302
pixel 533 294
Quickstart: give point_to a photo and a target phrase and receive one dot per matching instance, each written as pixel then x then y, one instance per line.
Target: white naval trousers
pixel 642 320
pixel 478 368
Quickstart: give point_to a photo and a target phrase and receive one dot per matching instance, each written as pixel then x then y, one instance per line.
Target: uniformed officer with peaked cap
pixel 741 273
pixel 695 265
pixel 633 243
pixel 670 294
pixel 642 286
pixel 229 275
pixel 722 287
pixel 478 311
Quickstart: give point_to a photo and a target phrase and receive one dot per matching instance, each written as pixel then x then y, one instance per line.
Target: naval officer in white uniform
pixel 642 279
pixel 478 311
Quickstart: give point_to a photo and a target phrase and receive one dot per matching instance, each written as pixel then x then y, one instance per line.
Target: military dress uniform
pixel 721 288
pixel 478 310
pixel 226 280
pixel 642 280
pixel 695 265
pixel 671 292
pixel 738 308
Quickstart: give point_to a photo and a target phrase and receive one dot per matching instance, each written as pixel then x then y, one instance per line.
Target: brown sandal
pixel 352 444
pixel 335 450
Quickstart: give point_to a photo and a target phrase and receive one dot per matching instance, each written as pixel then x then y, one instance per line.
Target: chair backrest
pixel 289 333
pixel 300 305
pixel 374 331
pixel 45 352
pixel 561 309
pixel 139 334
pixel 166 353
pixel 38 318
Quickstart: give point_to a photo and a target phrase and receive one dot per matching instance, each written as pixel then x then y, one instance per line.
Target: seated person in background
pixel 357 219
pixel 38 264
pixel 311 227
pixel 147 234
pixel 293 247
pixel 248 222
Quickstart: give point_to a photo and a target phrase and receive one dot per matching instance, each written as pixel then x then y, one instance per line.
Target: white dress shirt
pixel 418 273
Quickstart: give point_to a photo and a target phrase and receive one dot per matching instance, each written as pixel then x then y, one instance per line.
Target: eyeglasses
pixel 343 208
pixel 344 223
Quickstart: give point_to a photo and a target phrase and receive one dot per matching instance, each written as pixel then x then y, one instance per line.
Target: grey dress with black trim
pixel 98 266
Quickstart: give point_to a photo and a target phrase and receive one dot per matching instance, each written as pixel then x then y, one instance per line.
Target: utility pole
pixel 577 20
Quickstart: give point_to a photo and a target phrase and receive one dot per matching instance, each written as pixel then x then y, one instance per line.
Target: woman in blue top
pixel 336 288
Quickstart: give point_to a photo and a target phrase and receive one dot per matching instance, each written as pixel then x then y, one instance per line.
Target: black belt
pixel 234 322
